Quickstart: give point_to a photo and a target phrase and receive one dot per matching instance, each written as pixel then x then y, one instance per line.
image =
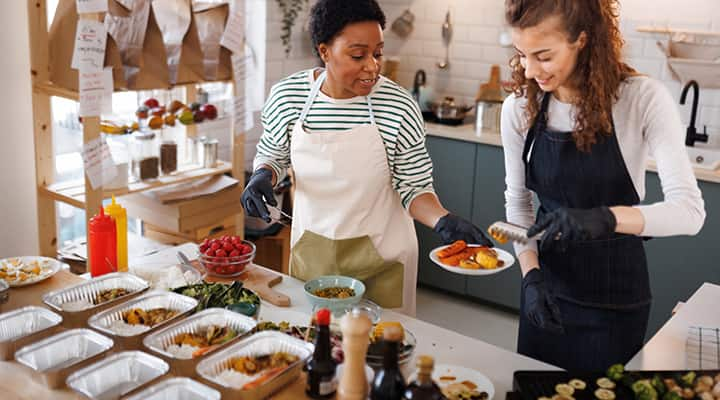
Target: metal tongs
pixel 284 219
pixel 504 231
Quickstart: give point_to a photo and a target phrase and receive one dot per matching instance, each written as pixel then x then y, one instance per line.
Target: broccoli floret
pixel 688 379
pixel 671 396
pixel 644 390
pixel 658 384
pixel 615 372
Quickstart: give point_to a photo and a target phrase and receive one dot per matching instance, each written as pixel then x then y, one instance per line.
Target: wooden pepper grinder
pixel 355 327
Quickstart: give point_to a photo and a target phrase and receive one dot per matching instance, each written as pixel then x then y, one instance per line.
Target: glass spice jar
pixel 168 157
pixel 145 157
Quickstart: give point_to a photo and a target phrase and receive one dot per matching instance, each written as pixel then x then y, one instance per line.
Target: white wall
pixel 18 214
pixel 478 23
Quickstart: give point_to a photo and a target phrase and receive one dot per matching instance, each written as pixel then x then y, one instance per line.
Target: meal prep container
pixel 117 375
pixel 56 357
pixel 102 321
pixel 87 291
pixel 177 389
pixel 24 326
pixel 258 344
pixel 4 293
pixel 158 341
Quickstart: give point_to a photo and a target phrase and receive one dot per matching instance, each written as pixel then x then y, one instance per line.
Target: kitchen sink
pixel 704 157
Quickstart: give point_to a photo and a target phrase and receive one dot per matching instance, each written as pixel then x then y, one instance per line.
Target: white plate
pixel 461 374
pixel 503 255
pixel 49 266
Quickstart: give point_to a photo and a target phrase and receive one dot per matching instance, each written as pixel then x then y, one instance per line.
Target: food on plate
pixel 335 292
pixel 150 318
pixel 110 295
pixel 577 384
pixel 464 390
pixel 251 372
pixel 188 345
pixel 605 383
pixel 459 254
pixel 16 270
pixel 219 294
pixel 604 394
pixel 564 389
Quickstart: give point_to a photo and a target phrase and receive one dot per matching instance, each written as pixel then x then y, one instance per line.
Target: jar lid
pixel 169 142
pixel 144 135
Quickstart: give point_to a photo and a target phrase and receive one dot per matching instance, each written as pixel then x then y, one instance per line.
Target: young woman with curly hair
pixel 577 133
pixel 356 143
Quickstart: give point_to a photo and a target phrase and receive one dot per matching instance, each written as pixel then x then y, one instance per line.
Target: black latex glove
pixel 452 228
pixel 540 308
pixel 565 225
pixel 259 186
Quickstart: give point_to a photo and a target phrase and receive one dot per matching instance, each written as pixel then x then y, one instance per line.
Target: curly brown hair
pixel 599 70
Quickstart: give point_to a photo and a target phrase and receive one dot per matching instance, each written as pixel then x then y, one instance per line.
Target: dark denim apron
pixel 601 286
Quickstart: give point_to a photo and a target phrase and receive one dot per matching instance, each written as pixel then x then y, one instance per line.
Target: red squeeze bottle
pixel 102 244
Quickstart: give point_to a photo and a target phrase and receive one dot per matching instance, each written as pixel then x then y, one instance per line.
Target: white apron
pixel 347 218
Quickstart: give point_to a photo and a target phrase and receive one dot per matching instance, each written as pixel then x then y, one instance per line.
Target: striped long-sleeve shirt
pixel 396 114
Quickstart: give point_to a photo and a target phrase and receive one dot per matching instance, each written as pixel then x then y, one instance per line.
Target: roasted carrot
pixel 201 351
pixel 455 259
pixel 456 247
pixel 269 374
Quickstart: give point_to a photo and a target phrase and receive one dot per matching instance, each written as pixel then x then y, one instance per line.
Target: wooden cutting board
pixel 260 281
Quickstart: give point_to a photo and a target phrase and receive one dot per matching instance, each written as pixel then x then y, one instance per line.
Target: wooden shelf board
pixel 52 89
pixel 73 192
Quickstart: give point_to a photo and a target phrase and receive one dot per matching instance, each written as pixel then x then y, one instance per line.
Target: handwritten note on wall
pixel 89 52
pixel 91 6
pixel 98 162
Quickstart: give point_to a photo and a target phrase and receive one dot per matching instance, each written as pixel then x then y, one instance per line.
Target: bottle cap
pixel 323 317
pixel 392 334
pixel 102 222
pixel 425 363
pixel 114 209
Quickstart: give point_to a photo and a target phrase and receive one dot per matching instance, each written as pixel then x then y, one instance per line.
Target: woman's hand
pixel 452 228
pixel 565 225
pixel 539 305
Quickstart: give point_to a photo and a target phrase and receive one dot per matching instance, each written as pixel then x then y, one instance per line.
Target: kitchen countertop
pixel 446 346
pixel 667 349
pixel 466 132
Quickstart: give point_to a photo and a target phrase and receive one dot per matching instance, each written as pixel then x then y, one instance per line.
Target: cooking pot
pixel 448 112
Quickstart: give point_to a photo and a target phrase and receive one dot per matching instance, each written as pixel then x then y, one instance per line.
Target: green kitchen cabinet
pixel 679 265
pixel 453 182
pixel 502 288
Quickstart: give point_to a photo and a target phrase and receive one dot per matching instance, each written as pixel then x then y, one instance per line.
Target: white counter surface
pixel 667 349
pixel 446 346
pixel 466 133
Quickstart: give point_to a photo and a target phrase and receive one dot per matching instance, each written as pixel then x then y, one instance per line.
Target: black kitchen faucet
pixel 692 136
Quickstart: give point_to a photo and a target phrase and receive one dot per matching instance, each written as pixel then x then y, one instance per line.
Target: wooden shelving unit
pixel 80 193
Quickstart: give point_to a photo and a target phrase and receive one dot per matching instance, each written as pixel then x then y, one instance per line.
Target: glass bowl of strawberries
pixel 226 256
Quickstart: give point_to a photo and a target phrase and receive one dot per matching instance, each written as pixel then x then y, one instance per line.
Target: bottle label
pixel 327 386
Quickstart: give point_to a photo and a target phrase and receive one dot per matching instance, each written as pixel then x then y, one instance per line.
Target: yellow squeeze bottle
pixel 119 215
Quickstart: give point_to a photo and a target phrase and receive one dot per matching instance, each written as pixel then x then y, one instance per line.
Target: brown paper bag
pixel 62 44
pixel 210 20
pixel 144 61
pixel 182 46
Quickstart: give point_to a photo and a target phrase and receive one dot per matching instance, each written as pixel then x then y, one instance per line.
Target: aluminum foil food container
pixel 85 292
pixel 177 389
pixel 117 375
pixel 159 340
pixel 210 368
pixel 24 326
pixel 56 357
pixel 103 321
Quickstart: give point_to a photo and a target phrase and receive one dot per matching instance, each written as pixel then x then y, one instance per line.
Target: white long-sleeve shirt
pixel 647 124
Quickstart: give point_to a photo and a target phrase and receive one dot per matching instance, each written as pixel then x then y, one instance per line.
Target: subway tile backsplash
pixel 475 45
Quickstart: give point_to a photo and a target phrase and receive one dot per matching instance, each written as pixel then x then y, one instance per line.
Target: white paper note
pixel 98 162
pixel 91 92
pixel 233 38
pixel 90 38
pixel 108 88
pixel 91 6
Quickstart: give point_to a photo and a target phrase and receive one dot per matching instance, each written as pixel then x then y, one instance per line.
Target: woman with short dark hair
pixel 356 143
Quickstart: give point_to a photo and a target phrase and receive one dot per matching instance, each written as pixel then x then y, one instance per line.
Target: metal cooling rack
pixel 703 348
